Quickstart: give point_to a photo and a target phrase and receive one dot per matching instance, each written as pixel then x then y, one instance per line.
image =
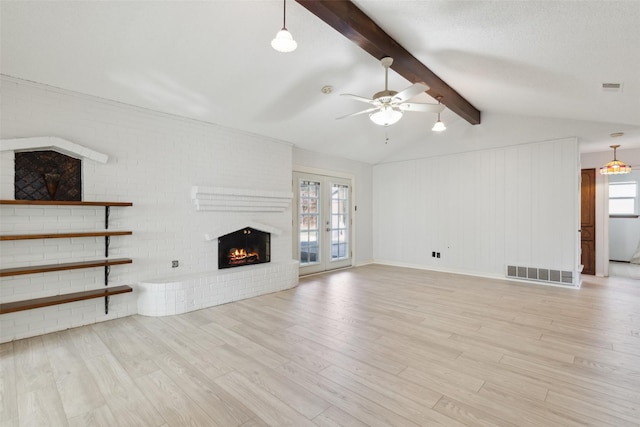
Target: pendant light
pixel 439 126
pixel 615 167
pixel 284 42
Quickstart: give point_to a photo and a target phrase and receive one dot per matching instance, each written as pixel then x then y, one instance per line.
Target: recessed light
pixel 616 134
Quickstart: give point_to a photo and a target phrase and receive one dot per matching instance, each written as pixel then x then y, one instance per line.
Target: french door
pixel 322 235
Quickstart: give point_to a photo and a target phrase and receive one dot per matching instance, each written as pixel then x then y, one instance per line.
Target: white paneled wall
pixel 154 161
pixel 481 210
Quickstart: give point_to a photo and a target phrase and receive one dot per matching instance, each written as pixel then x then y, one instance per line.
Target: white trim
pixel 604 246
pixel 54 143
pixel 354 206
pixel 325 265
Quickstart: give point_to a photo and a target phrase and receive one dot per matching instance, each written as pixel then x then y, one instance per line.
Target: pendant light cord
pixel 284 17
pixel 615 147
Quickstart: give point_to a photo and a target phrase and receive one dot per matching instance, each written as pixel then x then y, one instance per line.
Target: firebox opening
pixel 244 247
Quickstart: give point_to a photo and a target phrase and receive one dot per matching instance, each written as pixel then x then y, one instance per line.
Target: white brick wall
pixel 154 160
pixel 196 291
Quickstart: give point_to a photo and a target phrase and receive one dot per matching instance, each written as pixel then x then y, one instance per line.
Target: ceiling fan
pixel 389 105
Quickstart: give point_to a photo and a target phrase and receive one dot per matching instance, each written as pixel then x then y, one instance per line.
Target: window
pixel 623 198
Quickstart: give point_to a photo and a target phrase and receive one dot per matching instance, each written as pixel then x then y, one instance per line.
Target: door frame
pixel 588 231
pixel 352 207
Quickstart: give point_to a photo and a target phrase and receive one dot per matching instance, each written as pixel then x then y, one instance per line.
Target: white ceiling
pixel 534 68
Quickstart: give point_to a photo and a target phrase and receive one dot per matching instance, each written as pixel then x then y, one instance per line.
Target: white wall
pixel 596 160
pixel 154 161
pixel 481 210
pixel 505 130
pixel 361 174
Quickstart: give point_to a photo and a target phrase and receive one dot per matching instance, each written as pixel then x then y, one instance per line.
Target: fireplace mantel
pixel 239 200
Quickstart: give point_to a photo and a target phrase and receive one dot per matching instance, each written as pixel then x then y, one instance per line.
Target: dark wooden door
pixel 588 221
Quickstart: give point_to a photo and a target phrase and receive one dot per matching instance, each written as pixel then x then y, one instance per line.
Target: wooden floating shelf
pixel 62 203
pixel 63 235
pixel 61 267
pixel 105 263
pixel 10 307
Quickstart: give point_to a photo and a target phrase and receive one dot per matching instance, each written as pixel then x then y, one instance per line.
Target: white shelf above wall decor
pixel 239 200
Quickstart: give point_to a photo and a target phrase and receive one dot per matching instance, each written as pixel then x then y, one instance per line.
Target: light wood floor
pixel 624 269
pixel 369 346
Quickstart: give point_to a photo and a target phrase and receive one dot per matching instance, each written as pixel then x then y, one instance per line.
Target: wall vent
pixel 543 274
pixel 522 272
pixel 540 274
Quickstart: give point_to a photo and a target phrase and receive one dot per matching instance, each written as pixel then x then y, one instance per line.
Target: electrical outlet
pixel 433 254
pixel 174 264
pixel 437 254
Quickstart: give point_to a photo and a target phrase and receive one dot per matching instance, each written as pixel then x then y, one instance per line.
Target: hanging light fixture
pixel 284 42
pixel 615 167
pixel 439 126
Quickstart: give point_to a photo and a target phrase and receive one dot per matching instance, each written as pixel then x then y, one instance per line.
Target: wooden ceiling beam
pixel 345 17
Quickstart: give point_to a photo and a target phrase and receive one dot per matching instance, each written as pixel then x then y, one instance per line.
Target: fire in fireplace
pixel 244 247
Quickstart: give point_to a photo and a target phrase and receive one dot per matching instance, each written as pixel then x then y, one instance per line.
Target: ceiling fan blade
pixel 410 92
pixel 422 108
pixel 368 110
pixel 358 98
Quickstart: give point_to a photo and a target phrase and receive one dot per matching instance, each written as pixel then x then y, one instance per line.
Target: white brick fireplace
pixel 181 294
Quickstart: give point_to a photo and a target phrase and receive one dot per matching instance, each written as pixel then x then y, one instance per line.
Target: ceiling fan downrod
pixel 386 93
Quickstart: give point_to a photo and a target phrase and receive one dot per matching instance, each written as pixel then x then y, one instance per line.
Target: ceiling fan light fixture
pixel 284 42
pixel 615 166
pixel 386 115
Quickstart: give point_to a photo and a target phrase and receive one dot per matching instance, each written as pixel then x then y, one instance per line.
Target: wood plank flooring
pixel 368 346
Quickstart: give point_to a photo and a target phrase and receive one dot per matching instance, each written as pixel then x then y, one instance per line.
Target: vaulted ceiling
pixel 534 69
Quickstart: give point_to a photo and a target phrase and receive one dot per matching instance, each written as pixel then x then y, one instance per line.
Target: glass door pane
pixel 309 217
pixel 339 222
